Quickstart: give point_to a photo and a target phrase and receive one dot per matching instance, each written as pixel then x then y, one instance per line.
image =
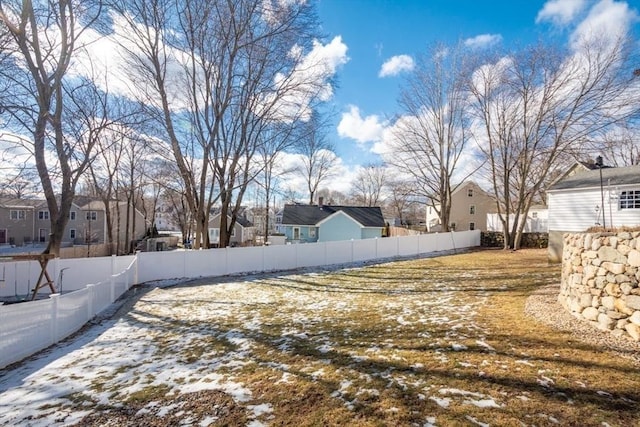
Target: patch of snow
pixel 525 362
pixel 483 403
pixel 458 347
pixel 485 345
pixel 431 422
pixel 259 410
pixel 443 402
pixel 476 422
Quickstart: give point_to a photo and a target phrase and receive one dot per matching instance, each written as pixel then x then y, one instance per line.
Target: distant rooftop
pixel 591 178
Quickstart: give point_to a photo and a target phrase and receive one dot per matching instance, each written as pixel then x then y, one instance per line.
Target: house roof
pixel 313 214
pixel 20 203
pixel 591 178
pixel 242 221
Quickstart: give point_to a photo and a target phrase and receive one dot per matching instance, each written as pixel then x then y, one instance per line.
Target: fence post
pixel 184 263
pixel 90 292
pixel 112 288
pixel 113 278
pixel 56 272
pixel 351 250
pixel 135 268
pixel 54 317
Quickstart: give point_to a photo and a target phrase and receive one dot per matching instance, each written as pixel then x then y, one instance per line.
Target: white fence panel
pixel 20 278
pixel 310 254
pixel 244 260
pixel 80 271
pixel 72 313
pixel 203 263
pixel 388 247
pixel 408 245
pixel 280 257
pixel 28 327
pixel 158 266
pixel 427 243
pixel 365 250
pixel 25 328
pixel 339 252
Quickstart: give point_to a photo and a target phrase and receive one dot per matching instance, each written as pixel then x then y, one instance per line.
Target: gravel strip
pixel 543 306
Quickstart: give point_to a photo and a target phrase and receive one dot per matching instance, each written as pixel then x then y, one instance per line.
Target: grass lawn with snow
pixel 436 341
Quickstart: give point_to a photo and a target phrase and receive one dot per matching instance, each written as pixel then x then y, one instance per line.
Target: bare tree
pixel 44 40
pixel 537 105
pixel 433 133
pixel 619 145
pixel 238 74
pixel 369 183
pixel 277 138
pixel 401 198
pixel 317 155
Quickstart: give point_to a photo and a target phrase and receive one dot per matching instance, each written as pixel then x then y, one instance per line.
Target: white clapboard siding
pixel 575 209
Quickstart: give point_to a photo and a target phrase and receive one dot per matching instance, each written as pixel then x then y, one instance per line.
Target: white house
pixel 242 234
pixel 581 199
pixel 470 205
pixel 535 222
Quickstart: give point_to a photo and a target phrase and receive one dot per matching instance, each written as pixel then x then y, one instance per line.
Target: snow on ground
pixel 170 340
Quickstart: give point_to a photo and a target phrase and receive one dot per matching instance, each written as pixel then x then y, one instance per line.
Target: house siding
pixel 19 230
pixel 575 210
pixel 339 227
pixel 305 233
pixel 461 204
pixel 371 232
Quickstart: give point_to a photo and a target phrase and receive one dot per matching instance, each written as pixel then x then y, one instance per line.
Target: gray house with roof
pixel 242 234
pixel 575 202
pixel 323 223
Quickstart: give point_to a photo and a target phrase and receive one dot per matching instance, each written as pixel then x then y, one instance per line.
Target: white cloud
pixel 354 126
pixel 560 12
pixel 340 180
pixel 607 18
pixel 395 65
pixel 482 41
pixel 309 79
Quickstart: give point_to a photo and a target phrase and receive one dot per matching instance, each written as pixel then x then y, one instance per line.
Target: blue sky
pixel 374 31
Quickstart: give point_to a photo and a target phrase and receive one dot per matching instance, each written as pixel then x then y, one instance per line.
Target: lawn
pixel 429 342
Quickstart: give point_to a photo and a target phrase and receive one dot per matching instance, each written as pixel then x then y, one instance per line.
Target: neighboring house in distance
pixel 575 202
pixel 322 223
pixel 17 221
pixel 243 233
pixel 535 222
pixel 25 221
pixel 470 205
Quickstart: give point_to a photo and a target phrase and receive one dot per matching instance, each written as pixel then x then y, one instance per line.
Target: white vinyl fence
pixel 89 285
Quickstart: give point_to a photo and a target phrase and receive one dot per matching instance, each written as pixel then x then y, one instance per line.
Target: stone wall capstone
pixel 600 276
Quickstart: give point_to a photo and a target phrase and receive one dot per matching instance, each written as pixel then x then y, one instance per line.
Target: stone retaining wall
pixel 600 276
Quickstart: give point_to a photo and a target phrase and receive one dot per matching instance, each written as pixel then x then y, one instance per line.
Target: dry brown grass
pixel 441 340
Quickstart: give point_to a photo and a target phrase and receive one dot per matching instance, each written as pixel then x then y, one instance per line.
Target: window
pixel 92 216
pixel 312 232
pixel 43 215
pixel 296 233
pixel 472 210
pixel 470 192
pixel 17 215
pixel 629 199
pixel 72 233
pixel 472 226
pixel 534 215
pixel 72 215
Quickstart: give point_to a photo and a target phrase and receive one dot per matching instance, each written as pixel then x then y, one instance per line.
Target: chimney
pixel 320 200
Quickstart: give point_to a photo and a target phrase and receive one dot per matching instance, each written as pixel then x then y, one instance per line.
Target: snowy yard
pixel 429 342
